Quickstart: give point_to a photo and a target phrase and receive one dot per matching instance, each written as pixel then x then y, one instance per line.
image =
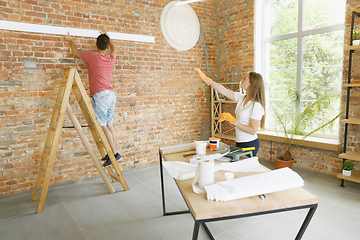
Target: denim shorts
pixel 104 106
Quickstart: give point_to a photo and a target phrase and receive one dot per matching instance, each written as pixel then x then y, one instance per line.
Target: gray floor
pixel 85 210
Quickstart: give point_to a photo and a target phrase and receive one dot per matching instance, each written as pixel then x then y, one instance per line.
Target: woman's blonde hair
pixel 257 92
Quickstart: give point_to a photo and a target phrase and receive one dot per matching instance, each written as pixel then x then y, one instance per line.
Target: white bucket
pixel 200 147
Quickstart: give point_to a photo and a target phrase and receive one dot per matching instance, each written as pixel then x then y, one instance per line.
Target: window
pixel 300 44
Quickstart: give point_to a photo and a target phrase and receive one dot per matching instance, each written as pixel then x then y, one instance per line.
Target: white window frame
pixel 261 40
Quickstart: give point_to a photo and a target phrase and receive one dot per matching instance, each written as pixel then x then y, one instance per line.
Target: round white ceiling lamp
pixel 180 25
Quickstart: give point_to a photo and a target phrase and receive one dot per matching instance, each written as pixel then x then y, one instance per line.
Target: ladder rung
pixel 47 149
pixel 42 171
pixel 114 175
pixel 37 193
pixel 57 105
pixel 101 144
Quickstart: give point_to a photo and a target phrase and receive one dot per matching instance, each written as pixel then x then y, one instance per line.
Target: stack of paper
pixel 263 183
pixel 182 170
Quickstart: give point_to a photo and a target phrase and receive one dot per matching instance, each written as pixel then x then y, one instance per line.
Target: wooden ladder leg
pixel 52 140
pixel 96 130
pixel 89 149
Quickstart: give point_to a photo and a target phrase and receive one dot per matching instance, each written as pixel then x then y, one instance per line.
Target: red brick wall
pixel 160 100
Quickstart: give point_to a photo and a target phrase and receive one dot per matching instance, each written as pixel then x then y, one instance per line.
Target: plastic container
pixel 200 147
pixel 214 142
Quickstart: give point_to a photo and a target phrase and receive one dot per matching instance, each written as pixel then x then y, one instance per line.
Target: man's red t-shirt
pixel 100 69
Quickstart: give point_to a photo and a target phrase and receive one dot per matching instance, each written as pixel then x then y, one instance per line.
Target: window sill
pixel 313 142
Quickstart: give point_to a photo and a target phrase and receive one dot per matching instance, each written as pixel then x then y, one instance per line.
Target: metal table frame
pixel 310 214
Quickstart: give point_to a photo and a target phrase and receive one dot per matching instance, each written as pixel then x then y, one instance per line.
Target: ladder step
pixel 53 127
pixel 37 193
pixel 100 143
pixel 114 175
pixel 57 105
pixel 42 171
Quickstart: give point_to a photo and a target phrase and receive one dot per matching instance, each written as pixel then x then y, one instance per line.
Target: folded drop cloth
pixel 183 171
pixel 262 183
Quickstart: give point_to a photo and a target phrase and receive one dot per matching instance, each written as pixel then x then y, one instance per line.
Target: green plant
pixel 356 35
pixel 293 126
pixel 346 165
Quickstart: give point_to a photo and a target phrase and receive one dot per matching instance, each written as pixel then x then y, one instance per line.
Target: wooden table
pixel 204 210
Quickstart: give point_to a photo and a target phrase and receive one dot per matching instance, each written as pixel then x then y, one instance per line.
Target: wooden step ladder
pixel 71 81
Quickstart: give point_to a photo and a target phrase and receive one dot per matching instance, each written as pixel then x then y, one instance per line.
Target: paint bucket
pixel 214 142
pixel 200 147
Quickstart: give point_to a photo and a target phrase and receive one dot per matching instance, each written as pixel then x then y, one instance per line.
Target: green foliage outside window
pixel 322 56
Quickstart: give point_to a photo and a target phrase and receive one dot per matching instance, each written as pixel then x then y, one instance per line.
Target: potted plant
pixel 347 167
pixel 295 127
pixel 355 37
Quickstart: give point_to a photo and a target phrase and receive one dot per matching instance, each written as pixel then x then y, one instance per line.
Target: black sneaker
pixel 117 156
pixel 105 158
pixel 108 162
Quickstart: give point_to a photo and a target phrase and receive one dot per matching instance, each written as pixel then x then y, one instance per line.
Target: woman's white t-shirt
pixel 243 115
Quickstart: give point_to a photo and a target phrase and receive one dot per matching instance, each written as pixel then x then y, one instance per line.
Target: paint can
pixel 214 142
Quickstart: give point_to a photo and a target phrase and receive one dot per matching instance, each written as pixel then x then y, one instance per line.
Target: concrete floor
pixel 85 210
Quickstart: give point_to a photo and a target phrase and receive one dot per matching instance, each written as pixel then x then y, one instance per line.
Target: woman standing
pixel 249 111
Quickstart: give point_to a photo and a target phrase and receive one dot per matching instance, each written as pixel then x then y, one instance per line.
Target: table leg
pixel 306 222
pixel 163 192
pixel 208 231
pixel 196 230
pixel 162 184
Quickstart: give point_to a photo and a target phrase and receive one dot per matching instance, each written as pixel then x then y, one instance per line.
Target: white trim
pixel 184 2
pixel 37 28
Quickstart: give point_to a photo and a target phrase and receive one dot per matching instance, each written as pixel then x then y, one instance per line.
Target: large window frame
pixel 262 54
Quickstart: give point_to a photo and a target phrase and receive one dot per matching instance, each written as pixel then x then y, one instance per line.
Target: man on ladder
pixel 100 66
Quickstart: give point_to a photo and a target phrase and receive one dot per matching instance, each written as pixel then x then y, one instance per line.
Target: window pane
pixel 323 13
pixel 321 55
pixel 329 110
pixel 322 74
pixel 282 77
pixel 280 83
pixel 283 15
pixel 323 49
pixel 283 54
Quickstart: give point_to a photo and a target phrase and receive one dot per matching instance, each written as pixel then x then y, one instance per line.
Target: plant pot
pixel 346 173
pixel 356 42
pixel 281 163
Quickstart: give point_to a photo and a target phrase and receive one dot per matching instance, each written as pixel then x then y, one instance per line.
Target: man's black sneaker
pixel 105 158
pixel 108 162
pixel 117 156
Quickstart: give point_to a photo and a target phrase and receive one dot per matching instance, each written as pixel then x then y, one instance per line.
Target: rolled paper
pixel 204 175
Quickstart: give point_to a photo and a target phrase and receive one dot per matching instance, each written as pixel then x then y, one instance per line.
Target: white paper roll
pixel 204 175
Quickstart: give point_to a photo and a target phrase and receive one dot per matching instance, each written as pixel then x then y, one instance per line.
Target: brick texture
pixel 160 100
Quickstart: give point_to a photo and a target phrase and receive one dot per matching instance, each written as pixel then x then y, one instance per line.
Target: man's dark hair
pixel 102 42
